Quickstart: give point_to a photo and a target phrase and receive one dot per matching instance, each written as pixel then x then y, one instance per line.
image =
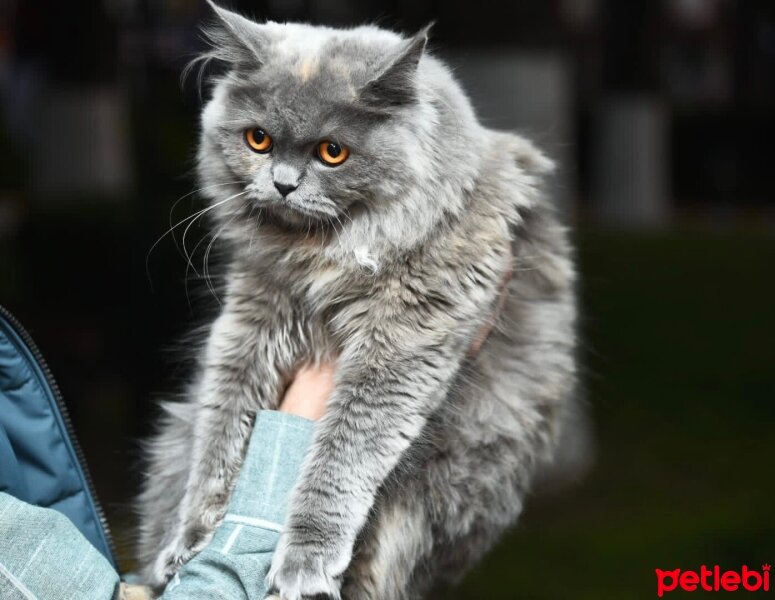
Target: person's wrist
pixel 309 391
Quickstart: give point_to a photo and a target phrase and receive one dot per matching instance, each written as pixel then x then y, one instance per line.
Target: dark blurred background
pixel 662 115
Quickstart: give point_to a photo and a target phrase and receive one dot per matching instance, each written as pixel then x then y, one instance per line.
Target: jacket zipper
pixel 52 384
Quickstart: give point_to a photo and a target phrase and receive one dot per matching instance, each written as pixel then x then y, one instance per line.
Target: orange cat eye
pixel 332 153
pixel 258 140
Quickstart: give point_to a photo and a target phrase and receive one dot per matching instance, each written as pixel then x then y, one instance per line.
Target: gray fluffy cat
pixel 369 216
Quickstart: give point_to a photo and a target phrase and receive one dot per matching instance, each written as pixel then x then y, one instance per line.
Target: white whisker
pixel 205 262
pixel 173 227
pixel 184 196
pixel 193 252
pixel 200 214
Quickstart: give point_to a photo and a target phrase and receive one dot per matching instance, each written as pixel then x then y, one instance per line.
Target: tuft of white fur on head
pixel 364 258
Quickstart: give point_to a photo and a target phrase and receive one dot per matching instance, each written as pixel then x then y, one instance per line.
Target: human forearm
pixel 237 559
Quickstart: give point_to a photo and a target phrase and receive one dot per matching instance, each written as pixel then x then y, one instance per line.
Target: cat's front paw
pixel 303 569
pixel 174 556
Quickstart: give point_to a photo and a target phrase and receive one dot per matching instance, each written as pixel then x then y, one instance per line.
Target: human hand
pixel 309 391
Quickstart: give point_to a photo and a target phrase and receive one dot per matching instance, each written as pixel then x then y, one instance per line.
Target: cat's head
pixel 315 130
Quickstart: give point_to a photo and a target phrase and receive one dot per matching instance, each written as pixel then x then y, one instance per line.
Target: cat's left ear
pixel 395 85
pixel 237 41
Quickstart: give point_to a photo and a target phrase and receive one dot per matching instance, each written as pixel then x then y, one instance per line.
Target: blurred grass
pixel 679 365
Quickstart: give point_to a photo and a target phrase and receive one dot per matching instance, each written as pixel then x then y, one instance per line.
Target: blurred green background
pixel 661 115
pixel 678 335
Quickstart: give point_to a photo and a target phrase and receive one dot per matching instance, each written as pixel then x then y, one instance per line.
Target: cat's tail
pixel 574 453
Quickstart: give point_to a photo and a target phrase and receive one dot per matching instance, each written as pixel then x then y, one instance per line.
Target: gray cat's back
pixel 466 477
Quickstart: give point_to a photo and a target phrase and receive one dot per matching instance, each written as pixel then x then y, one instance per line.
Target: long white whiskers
pixel 197 216
pixel 205 261
pixel 173 227
pixel 183 197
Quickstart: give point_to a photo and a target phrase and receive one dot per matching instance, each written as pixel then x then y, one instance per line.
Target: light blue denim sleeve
pixel 235 563
pixel 43 556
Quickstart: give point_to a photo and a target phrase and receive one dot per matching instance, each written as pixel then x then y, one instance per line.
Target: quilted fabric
pixel 38 462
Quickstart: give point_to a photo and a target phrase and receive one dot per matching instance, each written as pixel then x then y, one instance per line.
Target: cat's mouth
pixel 289 220
pixel 301 216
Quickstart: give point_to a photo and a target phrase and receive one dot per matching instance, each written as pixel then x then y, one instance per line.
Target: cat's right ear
pixel 236 40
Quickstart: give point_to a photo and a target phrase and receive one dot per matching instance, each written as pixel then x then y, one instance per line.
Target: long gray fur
pixel 392 262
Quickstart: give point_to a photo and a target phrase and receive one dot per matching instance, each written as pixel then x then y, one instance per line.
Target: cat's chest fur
pixel 334 299
pixel 300 281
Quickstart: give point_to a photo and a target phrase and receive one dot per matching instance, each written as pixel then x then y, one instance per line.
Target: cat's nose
pixel 285 188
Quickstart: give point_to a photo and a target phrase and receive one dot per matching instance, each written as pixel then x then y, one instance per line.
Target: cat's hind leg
pixel 168 462
pixel 397 539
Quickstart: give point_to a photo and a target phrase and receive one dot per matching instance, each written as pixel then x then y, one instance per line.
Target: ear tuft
pixel 395 85
pixel 235 40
